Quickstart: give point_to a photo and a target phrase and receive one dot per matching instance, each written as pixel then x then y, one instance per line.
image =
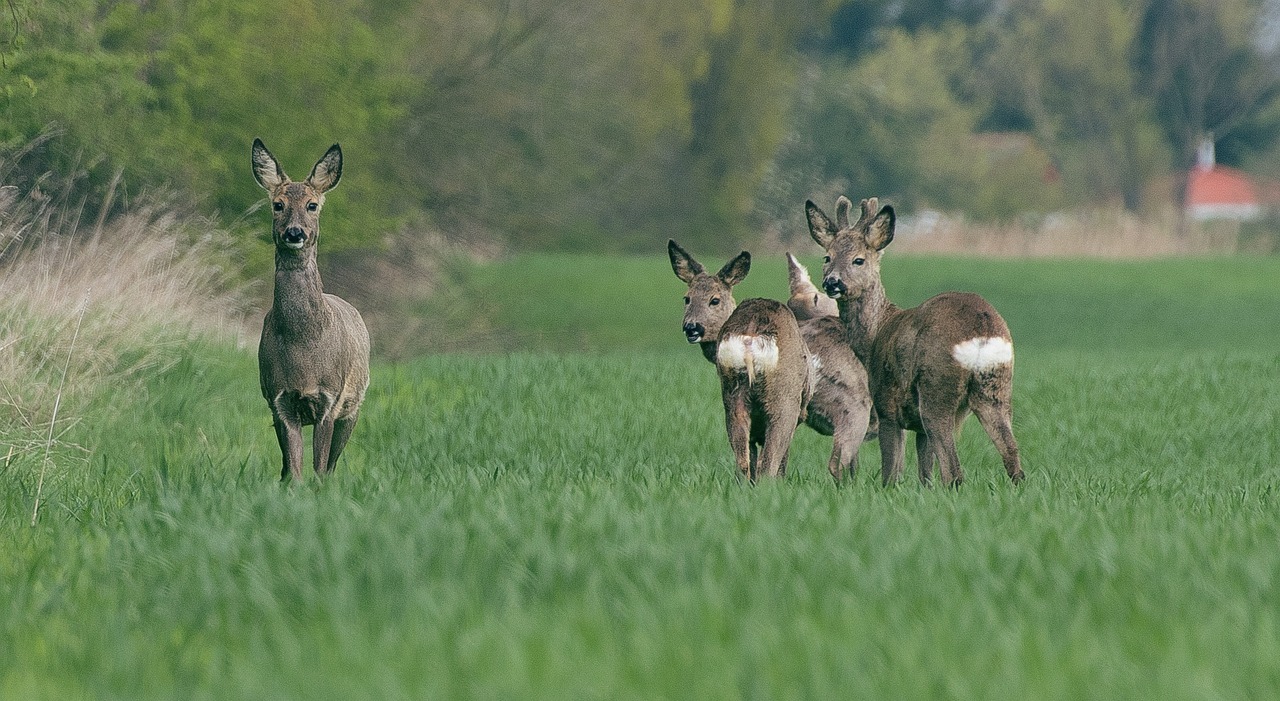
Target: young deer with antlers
pixel 929 366
pixel 839 403
pixel 313 359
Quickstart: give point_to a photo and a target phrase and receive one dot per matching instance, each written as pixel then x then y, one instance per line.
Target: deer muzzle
pixel 294 237
pixel 834 287
pixel 694 332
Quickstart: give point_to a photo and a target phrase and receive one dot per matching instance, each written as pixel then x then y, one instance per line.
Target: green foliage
pixel 571 125
pixel 174 91
pixel 893 124
pixel 1070 69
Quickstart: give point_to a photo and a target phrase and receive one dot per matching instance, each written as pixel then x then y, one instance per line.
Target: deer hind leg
pixel 850 428
pixel 996 420
pixel 289 435
pixel 941 430
pixel 737 422
pixel 342 429
pixel 940 418
pixel 777 444
pixel 891 451
pixel 925 459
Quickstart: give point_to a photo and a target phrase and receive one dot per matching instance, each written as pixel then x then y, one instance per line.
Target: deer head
pixel 709 300
pixel 852 263
pixel 806 301
pixel 295 207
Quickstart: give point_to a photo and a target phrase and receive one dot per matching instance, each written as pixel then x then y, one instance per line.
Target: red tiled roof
pixel 1220 185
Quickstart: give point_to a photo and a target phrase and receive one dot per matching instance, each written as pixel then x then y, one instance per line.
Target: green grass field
pixel 561 519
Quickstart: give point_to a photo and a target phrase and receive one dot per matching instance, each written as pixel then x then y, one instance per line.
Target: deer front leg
pixel 322 434
pixel 321 441
pixel 342 429
pixel 289 435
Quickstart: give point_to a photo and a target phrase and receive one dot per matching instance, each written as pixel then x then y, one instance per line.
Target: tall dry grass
pixel 1103 233
pixel 131 288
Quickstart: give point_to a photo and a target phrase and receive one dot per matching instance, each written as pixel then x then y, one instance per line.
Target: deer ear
pixel 820 227
pixel 327 171
pixel 682 263
pixel 843 205
pixel 880 231
pixel 736 269
pixel 797 275
pixel 265 168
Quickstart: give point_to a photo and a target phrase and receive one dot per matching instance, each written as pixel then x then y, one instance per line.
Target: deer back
pixel 761 349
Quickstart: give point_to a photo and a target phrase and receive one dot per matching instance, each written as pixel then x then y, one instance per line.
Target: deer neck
pixel 298 304
pixel 864 315
pixel 708 350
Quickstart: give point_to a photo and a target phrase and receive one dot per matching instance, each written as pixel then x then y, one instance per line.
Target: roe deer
pixel 313 360
pixel 765 382
pixel 839 404
pixel 929 365
pixel 806 300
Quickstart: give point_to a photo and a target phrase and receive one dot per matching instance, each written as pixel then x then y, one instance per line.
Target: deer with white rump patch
pixel 313 359
pixel 839 402
pixel 929 366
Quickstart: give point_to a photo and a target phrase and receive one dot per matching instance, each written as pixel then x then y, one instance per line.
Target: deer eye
pixel 312 206
pixel 277 206
pixel 859 261
pixel 686 301
pixel 715 301
pixel 826 259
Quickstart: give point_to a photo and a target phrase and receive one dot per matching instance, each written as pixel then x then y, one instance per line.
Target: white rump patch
pixel 755 354
pixel 979 354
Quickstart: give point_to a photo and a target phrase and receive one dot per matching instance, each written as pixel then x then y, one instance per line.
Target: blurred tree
pixel 1211 75
pixel 890 125
pixel 858 27
pixel 598 125
pixel 1066 65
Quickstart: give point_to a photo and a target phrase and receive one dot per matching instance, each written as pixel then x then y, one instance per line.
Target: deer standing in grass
pixel 839 403
pixel 313 360
pixel 929 366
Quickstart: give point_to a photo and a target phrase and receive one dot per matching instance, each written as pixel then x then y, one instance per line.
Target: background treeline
pixel 574 124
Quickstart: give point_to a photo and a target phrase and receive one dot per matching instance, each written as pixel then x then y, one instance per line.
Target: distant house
pixel 1221 192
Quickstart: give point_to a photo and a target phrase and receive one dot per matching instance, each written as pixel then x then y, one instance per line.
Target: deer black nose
pixel 834 286
pixel 694 332
pixel 294 234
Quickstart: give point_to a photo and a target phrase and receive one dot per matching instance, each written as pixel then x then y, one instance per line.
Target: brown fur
pixel 763 405
pixel 313 359
pixel 840 402
pixel 917 383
